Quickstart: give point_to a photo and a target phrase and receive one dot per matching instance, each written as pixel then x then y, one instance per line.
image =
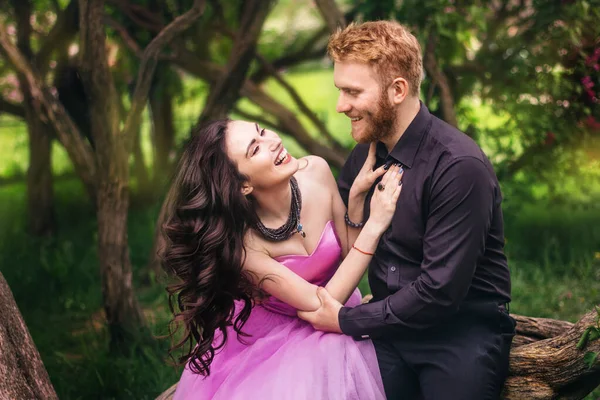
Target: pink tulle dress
pixel 285 358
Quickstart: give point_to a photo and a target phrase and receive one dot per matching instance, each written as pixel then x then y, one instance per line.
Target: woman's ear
pixel 246 189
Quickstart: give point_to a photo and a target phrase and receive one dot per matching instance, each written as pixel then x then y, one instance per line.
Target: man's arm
pixel 460 214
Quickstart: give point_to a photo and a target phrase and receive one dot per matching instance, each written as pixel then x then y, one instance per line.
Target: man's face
pixel 364 101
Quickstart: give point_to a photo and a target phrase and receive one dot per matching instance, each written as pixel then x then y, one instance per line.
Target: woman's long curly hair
pixel 205 218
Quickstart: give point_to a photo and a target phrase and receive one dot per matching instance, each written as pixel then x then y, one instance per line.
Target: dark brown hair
pixel 205 219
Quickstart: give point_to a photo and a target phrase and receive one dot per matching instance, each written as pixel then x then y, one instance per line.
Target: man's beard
pixel 383 121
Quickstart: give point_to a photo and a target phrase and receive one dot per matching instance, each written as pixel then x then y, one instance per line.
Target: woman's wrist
pixel 356 204
pixel 355 195
pixel 372 230
pixel 353 223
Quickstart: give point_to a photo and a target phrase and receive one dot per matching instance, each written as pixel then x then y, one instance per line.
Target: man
pixel 440 280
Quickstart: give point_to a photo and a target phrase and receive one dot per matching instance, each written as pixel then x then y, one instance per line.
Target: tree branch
pixel 11 108
pixel 50 108
pixel 301 104
pixel 439 78
pixel 287 119
pixel 140 15
pixel 64 30
pixel 305 53
pixel 125 36
pixel 332 15
pixel 130 42
pixel 226 90
pixel 148 65
pixel 260 119
pixel 211 72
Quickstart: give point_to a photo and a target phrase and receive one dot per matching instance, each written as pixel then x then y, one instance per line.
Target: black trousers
pixel 464 358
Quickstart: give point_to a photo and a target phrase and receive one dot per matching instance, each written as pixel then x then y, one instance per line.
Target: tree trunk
pixel 40 195
pixel 113 147
pixel 40 191
pixel 22 373
pixel 123 313
pixel 549 366
pixel 332 15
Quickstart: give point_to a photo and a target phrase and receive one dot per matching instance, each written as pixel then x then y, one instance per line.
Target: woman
pixel 250 234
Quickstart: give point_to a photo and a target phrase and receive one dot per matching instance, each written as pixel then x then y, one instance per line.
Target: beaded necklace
pixel 292 225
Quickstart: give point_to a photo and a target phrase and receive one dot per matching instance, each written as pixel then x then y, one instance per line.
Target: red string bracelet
pixel 364 252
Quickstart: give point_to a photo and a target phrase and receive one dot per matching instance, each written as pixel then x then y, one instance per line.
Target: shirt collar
pixel 406 148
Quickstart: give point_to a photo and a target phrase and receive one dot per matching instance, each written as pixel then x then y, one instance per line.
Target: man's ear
pixel 246 189
pixel 400 90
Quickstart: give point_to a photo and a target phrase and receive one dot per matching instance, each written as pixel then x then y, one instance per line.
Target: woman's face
pixel 259 154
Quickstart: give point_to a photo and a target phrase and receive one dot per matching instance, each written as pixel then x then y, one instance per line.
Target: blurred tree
pixel 40 194
pixel 42 97
pixel 110 180
pixel 200 53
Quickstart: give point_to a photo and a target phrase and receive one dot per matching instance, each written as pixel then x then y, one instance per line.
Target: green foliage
pixel 590 334
pixel 590 358
pixel 537 64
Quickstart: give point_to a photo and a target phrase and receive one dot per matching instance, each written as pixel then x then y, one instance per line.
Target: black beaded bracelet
pixel 352 224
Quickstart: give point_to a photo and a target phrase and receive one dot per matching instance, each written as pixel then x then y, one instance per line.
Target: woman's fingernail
pixel 399 183
pixel 401 170
pixel 387 165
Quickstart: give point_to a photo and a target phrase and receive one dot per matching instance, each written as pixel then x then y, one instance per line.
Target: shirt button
pixel 393 269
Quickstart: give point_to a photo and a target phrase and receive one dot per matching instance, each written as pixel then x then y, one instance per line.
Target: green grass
pixel 56 285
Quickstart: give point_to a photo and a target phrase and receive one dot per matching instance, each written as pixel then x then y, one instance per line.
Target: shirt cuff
pixel 361 320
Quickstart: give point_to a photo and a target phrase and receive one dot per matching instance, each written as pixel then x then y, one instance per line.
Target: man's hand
pixel 325 318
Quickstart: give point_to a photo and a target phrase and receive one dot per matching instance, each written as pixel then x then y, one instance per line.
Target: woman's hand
pixel 385 198
pixel 366 176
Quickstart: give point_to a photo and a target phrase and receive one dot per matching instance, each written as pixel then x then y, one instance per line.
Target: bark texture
pixel 22 373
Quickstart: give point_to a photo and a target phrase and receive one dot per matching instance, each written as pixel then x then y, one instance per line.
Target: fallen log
pixel 554 366
pixel 547 360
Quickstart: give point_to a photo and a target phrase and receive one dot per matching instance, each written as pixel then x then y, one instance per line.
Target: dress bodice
pixel 316 268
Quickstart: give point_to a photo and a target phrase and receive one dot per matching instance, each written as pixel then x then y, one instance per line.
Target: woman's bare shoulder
pixel 314 167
